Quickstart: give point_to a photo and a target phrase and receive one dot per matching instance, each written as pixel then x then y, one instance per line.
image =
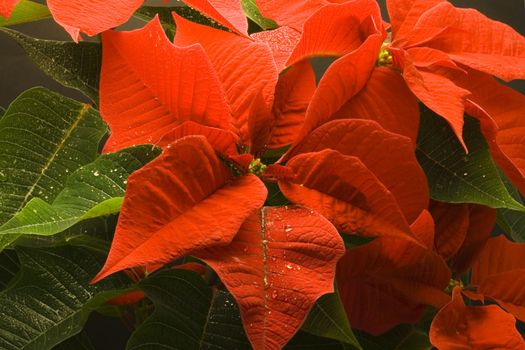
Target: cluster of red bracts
pixel 351 167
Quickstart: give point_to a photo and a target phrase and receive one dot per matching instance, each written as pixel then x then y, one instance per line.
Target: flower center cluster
pixel 385 57
pixel 256 167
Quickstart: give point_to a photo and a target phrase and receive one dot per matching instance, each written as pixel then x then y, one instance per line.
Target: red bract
pixel 390 281
pixel 183 201
pixel 244 66
pixel 6 7
pixel 458 327
pixel 281 261
pixel 499 274
pixel 143 95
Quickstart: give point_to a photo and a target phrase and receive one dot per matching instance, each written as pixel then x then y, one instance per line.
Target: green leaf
pixel 9 266
pixel 403 337
pixel 2 111
pixel 77 342
pixel 44 137
pixel 94 190
pixel 73 65
pixel 52 297
pixel 328 319
pixel 454 176
pixel 512 222
pixel 95 234
pixel 26 11
pixel 253 13
pixel 188 315
pixel 147 13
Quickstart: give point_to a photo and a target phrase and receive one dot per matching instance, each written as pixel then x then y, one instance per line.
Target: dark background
pixel 17 73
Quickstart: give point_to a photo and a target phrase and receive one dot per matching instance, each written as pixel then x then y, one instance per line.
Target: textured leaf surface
pixel 347 193
pixel 338 29
pixel 148 86
pixel 499 109
pixel 455 176
pixel 458 326
pixel 438 93
pixel 481 222
pixel 387 100
pixel 253 13
pixel 404 14
pixel 396 169
pixel 194 199
pixel 281 261
pixel 245 67
pixel 43 138
pixel 341 81
pixel 94 190
pixel 388 282
pixel 52 297
pixel 499 273
pixel 511 221
pixel 282 42
pixel 25 11
pixel 289 13
pixel 188 315
pixel 327 318
pixel 451 226
pixel 91 16
pixel 147 13
pixel 75 65
pixel 9 266
pixel 227 12
pixel 477 41
pixel 293 93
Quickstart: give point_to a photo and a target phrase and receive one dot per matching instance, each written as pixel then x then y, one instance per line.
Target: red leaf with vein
pixel 481 222
pixel 499 273
pixel 477 41
pixel 281 261
pixel 505 107
pixel 148 86
pixel 404 14
pixel 183 201
pixel 293 93
pixel 390 281
pixel 91 16
pixel 451 226
pixel 439 94
pixel 6 7
pixel 338 29
pixel 281 41
pixel 223 141
pixel 461 327
pixel 341 81
pixel 397 169
pixel 346 192
pixel 245 67
pixel 386 99
pixel 229 13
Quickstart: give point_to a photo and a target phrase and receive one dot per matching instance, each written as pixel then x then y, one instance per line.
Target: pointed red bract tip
pixel 91 16
pixel 184 200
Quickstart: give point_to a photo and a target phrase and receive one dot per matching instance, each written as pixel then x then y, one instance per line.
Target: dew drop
pixel 96 173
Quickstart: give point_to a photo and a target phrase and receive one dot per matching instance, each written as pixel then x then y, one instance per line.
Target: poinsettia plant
pixel 217 192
